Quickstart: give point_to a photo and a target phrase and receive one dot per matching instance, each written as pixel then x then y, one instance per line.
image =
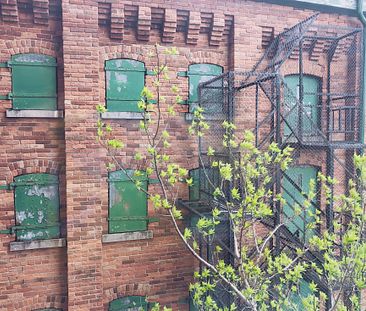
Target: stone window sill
pixel 122 115
pixel 46 114
pixel 37 244
pixel 127 236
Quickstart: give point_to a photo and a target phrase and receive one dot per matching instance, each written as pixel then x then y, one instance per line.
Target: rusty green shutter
pixel 198 73
pixel 34 83
pixel 125 79
pixel 131 303
pixel 36 207
pixel 127 204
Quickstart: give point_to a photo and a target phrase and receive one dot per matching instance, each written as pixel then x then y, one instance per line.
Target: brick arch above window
pixel 132 289
pixel 32 167
pixel 24 46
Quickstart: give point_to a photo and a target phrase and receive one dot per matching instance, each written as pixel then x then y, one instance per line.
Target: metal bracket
pixel 5 65
pixel 182 74
pixel 153 181
pixel 150 73
pixel 7 186
pixel 153 219
pixel 7 231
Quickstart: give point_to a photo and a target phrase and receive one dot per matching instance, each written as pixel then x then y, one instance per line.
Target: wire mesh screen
pixel 304 93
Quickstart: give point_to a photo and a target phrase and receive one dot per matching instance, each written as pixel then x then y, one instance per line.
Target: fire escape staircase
pixel 265 74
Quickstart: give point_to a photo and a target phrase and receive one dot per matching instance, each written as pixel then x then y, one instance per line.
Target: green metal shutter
pixel 34 82
pixel 131 303
pixel 311 105
pixel 36 207
pixel 194 190
pixel 125 79
pixel 296 298
pixel 199 73
pixel 127 204
pixel 300 176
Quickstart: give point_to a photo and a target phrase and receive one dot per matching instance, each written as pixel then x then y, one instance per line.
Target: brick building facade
pixel 78 268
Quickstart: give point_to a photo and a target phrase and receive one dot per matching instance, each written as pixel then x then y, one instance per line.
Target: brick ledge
pixel 37 244
pixel 127 236
pixel 49 114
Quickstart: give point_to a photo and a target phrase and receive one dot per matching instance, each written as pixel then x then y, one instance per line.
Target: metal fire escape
pixel 282 101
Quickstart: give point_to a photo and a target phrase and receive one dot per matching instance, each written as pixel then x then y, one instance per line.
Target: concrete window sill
pixel 127 236
pixel 37 244
pixel 122 115
pixel 45 114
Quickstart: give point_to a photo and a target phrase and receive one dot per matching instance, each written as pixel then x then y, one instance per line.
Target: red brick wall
pixel 88 274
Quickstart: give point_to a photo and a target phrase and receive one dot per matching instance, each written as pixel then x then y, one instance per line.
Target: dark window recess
pixel 131 303
pixel 199 73
pixel 125 79
pixel 34 82
pixel 127 203
pixel 36 207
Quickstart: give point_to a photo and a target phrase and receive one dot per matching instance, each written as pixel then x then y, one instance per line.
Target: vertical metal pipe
pixel 278 172
pixel 301 91
pixel 328 103
pixel 256 114
pixel 363 77
pixel 329 213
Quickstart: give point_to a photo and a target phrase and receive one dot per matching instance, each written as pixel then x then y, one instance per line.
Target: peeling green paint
pixel 36 207
pixel 125 79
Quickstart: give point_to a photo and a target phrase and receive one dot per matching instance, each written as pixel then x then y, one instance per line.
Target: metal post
pixel 301 92
pixel 278 172
pixel 329 213
pixel 256 114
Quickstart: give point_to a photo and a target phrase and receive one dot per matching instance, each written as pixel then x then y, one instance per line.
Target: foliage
pixel 259 273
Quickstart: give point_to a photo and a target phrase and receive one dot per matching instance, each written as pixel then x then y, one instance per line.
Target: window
pixel 127 204
pixel 198 73
pixel 34 82
pixel 131 303
pixel 125 79
pixel 36 207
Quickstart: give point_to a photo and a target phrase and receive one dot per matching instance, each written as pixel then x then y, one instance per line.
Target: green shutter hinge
pixel 152 101
pixel 150 73
pixel 6 231
pixel 153 181
pixel 184 102
pixel 5 65
pixel 152 219
pixel 6 97
pixel 182 74
pixel 7 186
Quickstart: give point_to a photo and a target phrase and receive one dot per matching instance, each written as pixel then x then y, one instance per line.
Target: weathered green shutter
pixel 194 190
pixel 127 204
pixel 36 207
pixel 34 83
pixel 125 79
pixel 294 191
pixel 198 73
pixel 131 303
pixel 311 108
